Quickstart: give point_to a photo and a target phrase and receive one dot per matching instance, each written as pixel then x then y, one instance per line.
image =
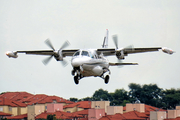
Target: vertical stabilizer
pixel 105 42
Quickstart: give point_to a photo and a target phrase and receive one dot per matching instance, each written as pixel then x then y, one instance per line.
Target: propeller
pixel 56 52
pixel 130 47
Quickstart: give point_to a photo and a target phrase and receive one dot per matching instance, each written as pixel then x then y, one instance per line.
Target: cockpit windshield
pixel 85 53
pixel 82 53
pixel 76 53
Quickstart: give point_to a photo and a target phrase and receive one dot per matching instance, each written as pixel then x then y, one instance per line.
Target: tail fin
pixel 105 42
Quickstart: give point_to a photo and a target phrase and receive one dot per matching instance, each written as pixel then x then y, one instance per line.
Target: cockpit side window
pixel 85 53
pixel 76 53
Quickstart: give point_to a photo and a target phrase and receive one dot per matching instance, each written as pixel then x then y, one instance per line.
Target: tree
pixel 73 99
pixel 101 95
pixel 135 91
pixel 51 117
pixel 172 97
pixel 149 94
pixel 120 97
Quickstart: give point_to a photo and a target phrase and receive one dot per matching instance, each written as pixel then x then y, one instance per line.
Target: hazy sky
pixel 25 25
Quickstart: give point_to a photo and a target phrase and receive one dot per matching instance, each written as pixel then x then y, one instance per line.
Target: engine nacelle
pixel 167 50
pixel 12 54
pixel 120 54
pixel 58 55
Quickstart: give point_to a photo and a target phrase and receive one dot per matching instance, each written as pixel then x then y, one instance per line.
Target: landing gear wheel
pixel 76 80
pixel 73 72
pixel 106 80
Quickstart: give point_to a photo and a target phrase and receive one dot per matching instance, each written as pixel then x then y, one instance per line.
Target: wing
pixel 50 52
pixel 126 51
pixel 55 53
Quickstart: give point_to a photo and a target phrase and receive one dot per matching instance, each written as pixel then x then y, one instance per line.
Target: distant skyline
pixel 25 25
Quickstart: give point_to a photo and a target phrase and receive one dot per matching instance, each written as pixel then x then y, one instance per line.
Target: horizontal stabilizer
pixel 117 64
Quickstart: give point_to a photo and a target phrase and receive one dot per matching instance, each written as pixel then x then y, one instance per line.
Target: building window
pixel 10 108
pixel 1 109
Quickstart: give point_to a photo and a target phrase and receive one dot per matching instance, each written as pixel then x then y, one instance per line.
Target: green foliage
pixel 73 99
pixel 120 97
pixel 149 94
pixel 172 97
pixel 102 95
pixel 51 117
pixel 2 93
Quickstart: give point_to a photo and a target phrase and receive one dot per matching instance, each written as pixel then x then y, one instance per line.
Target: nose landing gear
pixel 77 75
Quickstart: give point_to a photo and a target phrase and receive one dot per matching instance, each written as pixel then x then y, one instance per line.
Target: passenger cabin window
pixel 76 53
pixel 85 53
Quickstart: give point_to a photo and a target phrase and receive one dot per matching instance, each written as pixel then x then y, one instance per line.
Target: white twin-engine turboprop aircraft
pixel 89 62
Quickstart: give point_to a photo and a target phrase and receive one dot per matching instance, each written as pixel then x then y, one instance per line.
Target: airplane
pixel 90 62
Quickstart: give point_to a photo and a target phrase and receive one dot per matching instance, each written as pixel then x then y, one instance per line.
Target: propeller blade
pixel 130 47
pixel 48 43
pixel 64 63
pixel 66 43
pixel 46 61
pixel 115 39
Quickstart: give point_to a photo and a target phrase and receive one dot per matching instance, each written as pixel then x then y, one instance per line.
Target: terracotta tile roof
pixel 117 116
pixel 5 114
pixel 9 95
pixel 135 114
pixel 59 115
pixel 149 108
pixel 50 99
pixel 23 116
pixel 81 104
pixel 30 99
pixel 5 101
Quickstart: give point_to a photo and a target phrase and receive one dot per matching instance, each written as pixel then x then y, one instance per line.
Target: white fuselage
pixel 89 64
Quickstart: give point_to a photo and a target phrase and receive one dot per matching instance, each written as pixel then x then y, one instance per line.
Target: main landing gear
pixel 76 80
pixel 106 79
pixel 77 75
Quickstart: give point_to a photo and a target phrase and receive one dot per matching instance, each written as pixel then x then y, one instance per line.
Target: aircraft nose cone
pixel 75 62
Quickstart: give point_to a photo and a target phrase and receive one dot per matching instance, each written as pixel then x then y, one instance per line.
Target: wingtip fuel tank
pixel 167 50
pixel 12 54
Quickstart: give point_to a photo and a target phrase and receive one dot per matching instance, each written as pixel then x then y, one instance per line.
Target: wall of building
pixel 157 115
pixel 173 113
pixel 14 111
pixel 177 107
pixel 100 105
pixel 23 110
pixel 4 109
pixel 80 109
pixel 71 110
pixel 95 114
pixel 51 107
pixel 34 110
pixel 112 110
pixel 138 107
